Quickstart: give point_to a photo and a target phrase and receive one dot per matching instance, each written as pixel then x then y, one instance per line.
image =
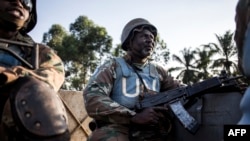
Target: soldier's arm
pixel 98 103
pixel 51 68
pixel 167 81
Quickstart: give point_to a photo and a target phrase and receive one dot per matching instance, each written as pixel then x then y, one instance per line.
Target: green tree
pixel 204 60
pixel 85 47
pixel 161 52
pixel 118 51
pixel 226 51
pixel 54 36
pixel 188 73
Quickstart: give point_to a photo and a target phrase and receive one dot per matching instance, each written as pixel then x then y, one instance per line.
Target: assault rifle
pixel 5 44
pixel 174 98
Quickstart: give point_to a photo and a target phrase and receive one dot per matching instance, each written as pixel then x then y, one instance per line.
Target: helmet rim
pixel 130 26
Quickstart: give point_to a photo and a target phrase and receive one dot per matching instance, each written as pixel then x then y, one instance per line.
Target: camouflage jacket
pixel 98 102
pixel 50 69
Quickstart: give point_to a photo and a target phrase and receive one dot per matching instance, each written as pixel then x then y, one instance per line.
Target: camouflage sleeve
pixel 167 81
pixel 51 68
pixel 97 99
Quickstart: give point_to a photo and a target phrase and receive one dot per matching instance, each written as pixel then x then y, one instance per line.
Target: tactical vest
pixel 127 85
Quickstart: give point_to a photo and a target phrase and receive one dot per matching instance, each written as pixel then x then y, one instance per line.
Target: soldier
pixel 116 86
pixel 30 76
pixel 242 39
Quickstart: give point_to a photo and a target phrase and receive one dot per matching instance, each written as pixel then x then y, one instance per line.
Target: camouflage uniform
pixel 30 108
pixel 51 69
pixel 114 118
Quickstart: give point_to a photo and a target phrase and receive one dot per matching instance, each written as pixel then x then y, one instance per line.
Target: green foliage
pixel 54 36
pixel 188 72
pixel 208 60
pixel 205 56
pixel 118 51
pixel 227 52
pixel 161 52
pixel 82 49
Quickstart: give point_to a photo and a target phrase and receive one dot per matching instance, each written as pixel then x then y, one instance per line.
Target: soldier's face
pixel 15 11
pixel 143 44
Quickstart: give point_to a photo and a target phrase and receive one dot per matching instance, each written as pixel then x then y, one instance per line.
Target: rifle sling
pixel 140 78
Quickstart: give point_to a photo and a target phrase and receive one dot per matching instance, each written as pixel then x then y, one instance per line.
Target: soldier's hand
pixel 2 77
pixel 149 115
pixel 7 76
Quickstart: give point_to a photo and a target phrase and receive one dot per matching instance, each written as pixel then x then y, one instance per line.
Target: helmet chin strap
pixel 11 23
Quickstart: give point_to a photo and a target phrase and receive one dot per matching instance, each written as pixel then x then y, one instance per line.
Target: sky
pixel 180 23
